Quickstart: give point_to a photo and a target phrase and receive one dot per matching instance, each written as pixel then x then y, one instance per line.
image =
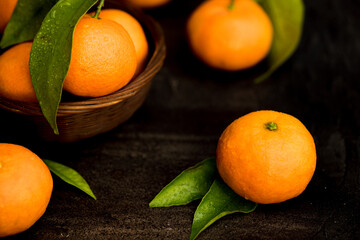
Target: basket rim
pixel 154 64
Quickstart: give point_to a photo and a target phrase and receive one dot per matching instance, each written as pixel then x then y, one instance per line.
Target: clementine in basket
pixel 103 58
pixel 15 81
pixel 135 30
pixel 148 3
pixel 25 188
pixel 6 9
pixel 230 35
pixel 266 156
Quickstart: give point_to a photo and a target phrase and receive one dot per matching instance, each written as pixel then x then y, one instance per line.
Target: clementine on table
pixel 230 35
pixel 103 58
pixel 148 3
pixel 6 9
pixel 266 156
pixel 15 81
pixel 25 188
pixel 135 30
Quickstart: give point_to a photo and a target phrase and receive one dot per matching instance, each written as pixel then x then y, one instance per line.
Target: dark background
pixel 188 107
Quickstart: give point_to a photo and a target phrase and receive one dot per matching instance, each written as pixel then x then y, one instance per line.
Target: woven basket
pixel 85 118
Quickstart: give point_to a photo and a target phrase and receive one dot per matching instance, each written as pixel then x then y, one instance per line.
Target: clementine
pixel 230 35
pixel 103 58
pixel 6 10
pixel 135 30
pixel 266 156
pixel 148 3
pixel 15 81
pixel 25 188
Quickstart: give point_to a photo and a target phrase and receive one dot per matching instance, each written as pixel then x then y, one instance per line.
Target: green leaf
pixel 69 176
pixel 217 203
pixel 191 184
pixel 25 21
pixel 51 53
pixel 287 17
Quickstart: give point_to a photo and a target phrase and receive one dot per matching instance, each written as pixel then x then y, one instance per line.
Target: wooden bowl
pixel 85 118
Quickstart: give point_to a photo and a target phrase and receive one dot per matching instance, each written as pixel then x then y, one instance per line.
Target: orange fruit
pixel 230 39
pixel 25 188
pixel 266 156
pixel 15 81
pixel 148 3
pixel 103 58
pixel 6 9
pixel 135 30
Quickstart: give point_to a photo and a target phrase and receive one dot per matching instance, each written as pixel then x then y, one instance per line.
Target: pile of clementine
pixel 107 53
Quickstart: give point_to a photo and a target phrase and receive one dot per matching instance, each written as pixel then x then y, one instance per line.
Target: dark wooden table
pixel 188 107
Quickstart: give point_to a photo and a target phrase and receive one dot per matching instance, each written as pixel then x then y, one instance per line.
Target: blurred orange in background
pixel 148 3
pixel 6 9
pixel 230 35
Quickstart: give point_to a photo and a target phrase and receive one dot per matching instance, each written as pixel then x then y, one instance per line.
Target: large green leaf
pixel 287 17
pixel 191 184
pixel 70 176
pixel 25 21
pixel 217 203
pixel 51 53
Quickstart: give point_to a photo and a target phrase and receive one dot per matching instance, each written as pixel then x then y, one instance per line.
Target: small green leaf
pixel 191 184
pixel 51 53
pixel 25 21
pixel 217 203
pixel 287 17
pixel 69 176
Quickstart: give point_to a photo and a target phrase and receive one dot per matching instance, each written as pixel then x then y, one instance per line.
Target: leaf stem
pixel 231 5
pixel 101 4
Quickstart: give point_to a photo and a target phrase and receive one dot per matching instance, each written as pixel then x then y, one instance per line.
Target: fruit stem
pixel 271 126
pixel 231 5
pixel 101 4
